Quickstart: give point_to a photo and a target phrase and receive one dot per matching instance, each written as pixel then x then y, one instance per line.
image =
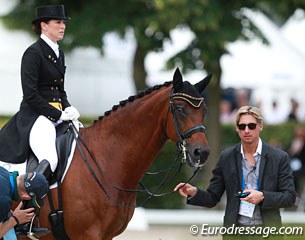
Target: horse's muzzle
pixel 197 155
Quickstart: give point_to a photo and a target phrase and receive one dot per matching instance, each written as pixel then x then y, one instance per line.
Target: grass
pixel 4 119
pixel 85 121
pixel 295 237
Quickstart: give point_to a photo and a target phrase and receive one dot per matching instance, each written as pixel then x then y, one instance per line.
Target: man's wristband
pixel 16 219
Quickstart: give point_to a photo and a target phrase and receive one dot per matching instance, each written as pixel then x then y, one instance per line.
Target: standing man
pixel 253 167
pixel 31 186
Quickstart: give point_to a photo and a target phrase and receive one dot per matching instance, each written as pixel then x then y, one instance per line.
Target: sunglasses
pixel 243 126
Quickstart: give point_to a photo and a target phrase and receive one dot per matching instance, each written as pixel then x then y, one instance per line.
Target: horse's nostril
pixel 203 154
pixel 197 152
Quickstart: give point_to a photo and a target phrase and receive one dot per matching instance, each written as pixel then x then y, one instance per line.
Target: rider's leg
pixel 42 142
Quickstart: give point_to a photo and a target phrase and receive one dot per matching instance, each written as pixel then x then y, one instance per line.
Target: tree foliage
pixel 213 22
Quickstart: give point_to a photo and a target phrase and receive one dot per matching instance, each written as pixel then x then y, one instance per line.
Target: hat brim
pixel 41 19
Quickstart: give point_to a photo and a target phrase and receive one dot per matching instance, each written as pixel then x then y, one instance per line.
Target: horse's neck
pixel 132 136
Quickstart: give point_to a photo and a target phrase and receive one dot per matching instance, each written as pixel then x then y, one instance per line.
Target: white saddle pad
pixel 21 168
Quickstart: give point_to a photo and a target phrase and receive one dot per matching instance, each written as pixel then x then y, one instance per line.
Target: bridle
pixel 182 145
pixel 196 103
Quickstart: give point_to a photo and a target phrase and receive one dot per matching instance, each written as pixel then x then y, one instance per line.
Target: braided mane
pixel 140 94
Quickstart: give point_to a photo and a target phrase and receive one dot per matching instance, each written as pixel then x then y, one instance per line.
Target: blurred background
pixel 114 48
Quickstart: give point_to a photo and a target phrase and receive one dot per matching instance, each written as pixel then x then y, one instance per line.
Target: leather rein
pixel 182 148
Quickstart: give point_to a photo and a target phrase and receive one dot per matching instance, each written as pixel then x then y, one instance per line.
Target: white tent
pixel 274 72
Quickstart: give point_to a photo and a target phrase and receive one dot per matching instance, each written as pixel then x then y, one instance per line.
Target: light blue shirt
pixel 251 177
pixel 10 235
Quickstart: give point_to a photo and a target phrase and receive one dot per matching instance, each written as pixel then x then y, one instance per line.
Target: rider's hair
pixel 37 27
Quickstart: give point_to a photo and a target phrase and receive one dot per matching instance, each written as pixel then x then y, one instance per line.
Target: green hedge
pixel 279 136
pixel 3 120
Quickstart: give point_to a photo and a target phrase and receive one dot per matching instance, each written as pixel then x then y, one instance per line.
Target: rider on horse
pixel 45 102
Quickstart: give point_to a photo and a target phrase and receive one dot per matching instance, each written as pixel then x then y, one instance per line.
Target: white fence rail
pixel 143 218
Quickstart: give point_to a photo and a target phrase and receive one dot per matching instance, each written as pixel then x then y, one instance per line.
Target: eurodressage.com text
pixel 206 230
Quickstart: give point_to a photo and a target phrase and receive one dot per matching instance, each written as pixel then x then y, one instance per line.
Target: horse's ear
pixel 177 80
pixel 200 86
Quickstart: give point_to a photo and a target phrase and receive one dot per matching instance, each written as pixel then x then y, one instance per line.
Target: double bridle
pixel 182 146
pixel 196 103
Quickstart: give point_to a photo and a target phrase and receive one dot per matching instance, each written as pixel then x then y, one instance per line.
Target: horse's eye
pixel 180 110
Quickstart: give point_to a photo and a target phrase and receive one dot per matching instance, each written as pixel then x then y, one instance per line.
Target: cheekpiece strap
pixel 195 102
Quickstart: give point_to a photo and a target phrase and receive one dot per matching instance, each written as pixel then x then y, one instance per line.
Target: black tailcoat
pixel 42 78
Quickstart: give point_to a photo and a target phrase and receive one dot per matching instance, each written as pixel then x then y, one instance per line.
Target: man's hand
pixel 255 197
pixel 186 190
pixel 24 215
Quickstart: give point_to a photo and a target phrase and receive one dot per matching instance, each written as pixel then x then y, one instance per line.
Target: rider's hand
pixel 64 116
pixel 186 190
pixel 72 113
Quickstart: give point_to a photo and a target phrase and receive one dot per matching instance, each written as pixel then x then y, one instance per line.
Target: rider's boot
pixel 44 168
pixel 24 229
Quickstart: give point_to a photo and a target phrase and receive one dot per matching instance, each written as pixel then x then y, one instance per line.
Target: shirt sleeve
pixel 5 207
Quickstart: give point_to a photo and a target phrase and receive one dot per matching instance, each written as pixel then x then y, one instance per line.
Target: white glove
pixel 65 116
pixel 72 113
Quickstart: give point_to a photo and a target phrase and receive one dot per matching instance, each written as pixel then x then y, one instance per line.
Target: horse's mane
pixel 140 94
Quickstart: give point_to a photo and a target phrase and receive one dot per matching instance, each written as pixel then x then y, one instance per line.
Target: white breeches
pixel 42 141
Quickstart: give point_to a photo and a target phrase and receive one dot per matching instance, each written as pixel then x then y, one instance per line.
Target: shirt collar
pixel 258 149
pixel 16 196
pixel 52 44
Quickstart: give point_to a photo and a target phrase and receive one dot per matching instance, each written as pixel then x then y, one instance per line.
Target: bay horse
pixel 125 142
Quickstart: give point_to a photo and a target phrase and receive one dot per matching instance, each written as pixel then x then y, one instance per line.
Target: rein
pixel 181 149
pixel 150 193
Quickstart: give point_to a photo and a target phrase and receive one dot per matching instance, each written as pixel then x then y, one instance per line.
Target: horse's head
pixel 186 125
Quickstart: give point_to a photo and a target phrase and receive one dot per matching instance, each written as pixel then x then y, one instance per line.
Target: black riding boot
pixel 42 168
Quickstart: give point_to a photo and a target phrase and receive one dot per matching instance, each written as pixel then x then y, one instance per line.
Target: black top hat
pixel 49 12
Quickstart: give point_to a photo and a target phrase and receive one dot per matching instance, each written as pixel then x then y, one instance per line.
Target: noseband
pixel 196 103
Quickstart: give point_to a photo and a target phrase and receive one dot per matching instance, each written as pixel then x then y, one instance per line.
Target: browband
pixel 194 101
